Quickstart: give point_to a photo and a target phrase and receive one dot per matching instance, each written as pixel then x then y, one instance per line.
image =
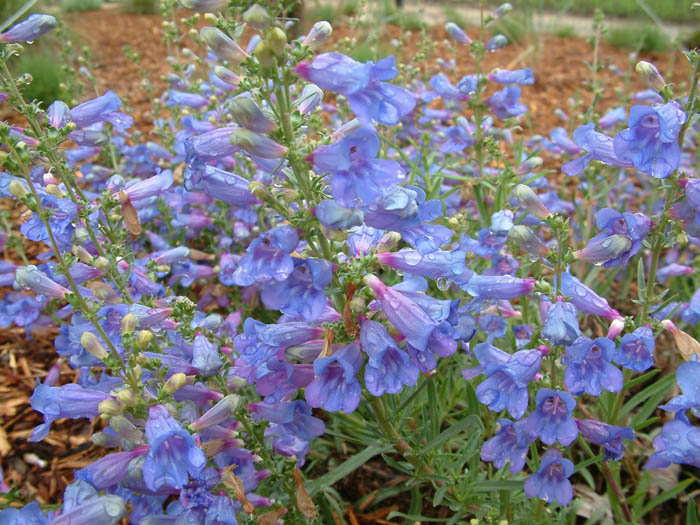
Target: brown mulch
pixel 42 470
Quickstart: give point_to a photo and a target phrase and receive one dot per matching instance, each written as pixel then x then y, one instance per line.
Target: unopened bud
pixel 18 189
pixel 529 165
pixel 358 304
pixel 174 383
pixel 92 344
pixel 101 263
pixel 264 53
pixel 129 323
pixel 388 242
pixel 277 40
pixel 257 17
pixel 126 429
pixel 127 397
pixel 82 254
pixel 222 45
pixel 457 33
pixel 651 75
pixel 144 338
pixel 110 407
pixel 247 114
pixel 687 345
pixel 530 201
pixel 217 414
pixel 257 144
pixel 320 33
pixel 501 10
pixel 527 240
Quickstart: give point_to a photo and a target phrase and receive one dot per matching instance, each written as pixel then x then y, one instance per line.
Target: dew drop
pixel 442 284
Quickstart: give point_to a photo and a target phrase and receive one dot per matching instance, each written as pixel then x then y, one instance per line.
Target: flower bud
pixel 222 45
pixel 110 407
pixel 530 201
pixel 144 338
pixel 320 32
pixel 688 347
pixel 529 165
pixel 496 43
pixel 127 397
pixel 227 75
pixel 217 414
pixel 18 189
pixel 457 33
pixel 129 324
pixel 31 278
pixel 247 114
pixel 527 240
pixel 277 40
pixel 126 429
pixel 388 242
pixel 604 250
pixel 257 17
pixel 30 29
pixel 616 328
pixel 101 263
pixel 174 383
pixel 263 52
pixel 204 6
pixel 92 344
pixel 501 10
pixel 82 254
pixel 651 75
pixel 257 144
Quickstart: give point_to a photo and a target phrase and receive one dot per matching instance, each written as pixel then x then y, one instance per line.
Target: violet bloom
pixel 173 456
pixel 388 368
pixel 301 294
pixel 437 264
pixel 688 379
pixel 293 418
pixel 510 444
pixel 504 104
pixel 335 385
pixel 110 470
pixel 588 367
pixel 30 29
pixel 552 420
pixel 358 176
pixel 205 356
pixel 507 377
pixel 70 401
pixel 498 286
pixel 214 144
pixel 369 96
pixel 621 237
pixel 597 147
pixel 518 76
pixel 651 141
pixel 551 482
pixel 560 324
pixel 586 299
pixel 608 436
pixel 636 350
pixel 679 442
pixel 268 257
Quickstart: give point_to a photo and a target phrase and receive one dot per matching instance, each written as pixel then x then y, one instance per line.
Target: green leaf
pixel 500 484
pixel 416 517
pixel 691 515
pixel 664 496
pixel 662 385
pixel 471 423
pixel 346 467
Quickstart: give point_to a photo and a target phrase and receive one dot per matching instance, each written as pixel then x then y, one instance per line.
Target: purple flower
pixel 301 294
pixel 688 379
pixel 651 141
pixel 608 436
pixel 498 286
pixel 358 176
pixel 597 147
pixel 205 356
pixel 518 76
pixel 586 299
pixel 440 263
pixel 71 401
pixel 110 470
pixel 30 29
pixel 551 482
pixel 292 418
pixel 173 456
pixel 268 257
pixel 679 442
pixel 510 443
pixel 611 118
pixel 588 367
pixel 560 324
pixel 457 33
pixel 552 421
pixel 369 97
pixel 504 104
pixel 609 246
pixel 636 350
pixel 507 377
pixel 388 368
pixel 335 385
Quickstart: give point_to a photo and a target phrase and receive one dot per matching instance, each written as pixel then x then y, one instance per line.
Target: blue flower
pixel 636 350
pixel 268 257
pixel 510 443
pixel 518 76
pixel 551 482
pixel 369 97
pixel 504 104
pixel 335 385
pixel 560 324
pixel 301 294
pixel 586 299
pixel 507 377
pixel 388 368
pixel 597 147
pixel 608 436
pixel 358 176
pixel 688 378
pixel 110 470
pixel 205 356
pixel 498 286
pixel 679 442
pixel 651 141
pixel 173 456
pixel 552 421
pixel 30 29
pixel 437 264
pixel 588 367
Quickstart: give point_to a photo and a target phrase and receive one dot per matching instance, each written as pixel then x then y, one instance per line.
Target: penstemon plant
pixel 322 261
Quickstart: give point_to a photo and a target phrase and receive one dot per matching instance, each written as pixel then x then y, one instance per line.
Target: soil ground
pixel 42 470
